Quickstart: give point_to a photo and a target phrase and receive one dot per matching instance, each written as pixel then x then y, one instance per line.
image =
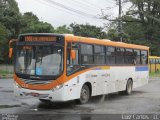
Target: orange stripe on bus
pixel 61 80
pixel 104 42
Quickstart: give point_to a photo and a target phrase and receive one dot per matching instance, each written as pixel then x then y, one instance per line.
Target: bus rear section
pixel 53 67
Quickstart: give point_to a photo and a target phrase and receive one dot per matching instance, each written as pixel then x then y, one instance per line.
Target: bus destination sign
pixel 39 38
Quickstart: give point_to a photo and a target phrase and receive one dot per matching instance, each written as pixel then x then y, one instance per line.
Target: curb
pixel 6 76
pixel 154 78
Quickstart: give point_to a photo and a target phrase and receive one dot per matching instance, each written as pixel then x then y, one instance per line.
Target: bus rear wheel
pixel 84 95
pixel 129 86
pixel 45 101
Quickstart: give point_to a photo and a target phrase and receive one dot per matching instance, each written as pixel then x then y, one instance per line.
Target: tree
pixel 9 25
pixel 31 24
pixel 3 34
pixel 141 24
pixel 63 30
pixel 148 14
pixel 88 31
pixel 10 17
pixel 12 23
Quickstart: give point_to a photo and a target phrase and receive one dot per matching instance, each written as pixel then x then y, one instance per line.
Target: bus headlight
pixel 17 85
pixel 57 87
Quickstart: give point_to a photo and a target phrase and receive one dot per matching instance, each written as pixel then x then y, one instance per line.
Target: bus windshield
pixel 39 60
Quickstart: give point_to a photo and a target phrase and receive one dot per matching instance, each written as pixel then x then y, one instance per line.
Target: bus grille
pixel 28 81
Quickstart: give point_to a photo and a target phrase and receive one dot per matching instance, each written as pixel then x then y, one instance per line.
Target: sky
pixel 61 12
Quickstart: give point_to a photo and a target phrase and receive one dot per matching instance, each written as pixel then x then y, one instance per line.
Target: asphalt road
pixel 143 100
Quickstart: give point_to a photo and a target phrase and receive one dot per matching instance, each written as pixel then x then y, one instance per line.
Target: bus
pixel 154 64
pixel 57 67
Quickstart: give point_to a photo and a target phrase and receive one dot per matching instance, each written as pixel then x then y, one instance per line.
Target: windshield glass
pixel 39 60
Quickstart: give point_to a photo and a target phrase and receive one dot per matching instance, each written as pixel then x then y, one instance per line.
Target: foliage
pixel 63 30
pixel 9 25
pixel 12 23
pixel 3 34
pixel 148 14
pixel 10 17
pixel 141 24
pixel 31 24
pixel 88 31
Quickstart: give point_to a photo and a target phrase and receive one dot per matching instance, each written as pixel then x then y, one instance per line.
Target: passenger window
pixel 86 54
pixel 137 56
pixel 129 56
pixel 99 54
pixel 119 55
pixel 144 57
pixel 110 55
pixel 158 61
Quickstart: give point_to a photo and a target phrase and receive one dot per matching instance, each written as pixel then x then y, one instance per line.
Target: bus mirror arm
pixel 10 48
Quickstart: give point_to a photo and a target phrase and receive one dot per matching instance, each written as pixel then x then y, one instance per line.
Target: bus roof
pixel 104 42
pixel 154 57
pixel 41 34
pixel 71 37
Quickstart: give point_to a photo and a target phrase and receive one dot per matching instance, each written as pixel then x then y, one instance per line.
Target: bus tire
pixel 45 101
pixel 129 86
pixel 84 95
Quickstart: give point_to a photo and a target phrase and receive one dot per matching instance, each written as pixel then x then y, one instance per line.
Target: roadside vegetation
pixel 5 72
pixel 154 74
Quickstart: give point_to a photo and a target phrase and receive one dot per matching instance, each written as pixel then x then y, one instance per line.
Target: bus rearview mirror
pixel 10 52
pixel 73 54
pixel 10 47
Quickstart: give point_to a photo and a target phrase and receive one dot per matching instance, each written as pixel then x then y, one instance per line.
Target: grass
pixel 3 72
pixel 9 106
pixel 154 74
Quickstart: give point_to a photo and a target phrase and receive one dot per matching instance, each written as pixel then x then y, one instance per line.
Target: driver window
pixel 72 65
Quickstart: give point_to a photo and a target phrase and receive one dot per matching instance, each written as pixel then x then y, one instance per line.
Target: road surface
pixel 143 100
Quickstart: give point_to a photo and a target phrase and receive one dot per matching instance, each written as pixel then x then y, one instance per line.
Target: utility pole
pixel 120 20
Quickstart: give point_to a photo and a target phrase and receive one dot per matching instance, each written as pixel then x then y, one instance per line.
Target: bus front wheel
pixel 129 86
pixel 84 95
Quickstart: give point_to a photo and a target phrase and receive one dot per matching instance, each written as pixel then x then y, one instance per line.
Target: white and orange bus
pixel 53 67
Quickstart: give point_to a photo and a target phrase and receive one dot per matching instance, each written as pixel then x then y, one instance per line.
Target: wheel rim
pixel 129 87
pixel 84 95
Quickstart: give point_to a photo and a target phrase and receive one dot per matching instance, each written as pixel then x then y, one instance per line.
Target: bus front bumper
pixel 53 96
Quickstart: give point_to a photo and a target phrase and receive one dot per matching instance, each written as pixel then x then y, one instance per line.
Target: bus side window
pixel 129 58
pixel 72 65
pixel 99 54
pixel 86 54
pixel 137 56
pixel 119 55
pixel 150 61
pixel 157 61
pixel 144 57
pixel 110 55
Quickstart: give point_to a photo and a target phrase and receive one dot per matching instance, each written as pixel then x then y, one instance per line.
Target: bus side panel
pixel 142 76
pixel 119 77
pixel 97 78
pixel 73 87
pixel 105 81
pixel 152 68
pixel 158 67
